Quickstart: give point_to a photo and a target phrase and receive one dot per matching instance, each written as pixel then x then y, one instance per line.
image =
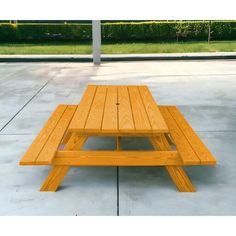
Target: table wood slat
pixel 141 120
pixel 95 117
pixel 110 119
pixel 79 120
pixel 125 116
pixel 155 117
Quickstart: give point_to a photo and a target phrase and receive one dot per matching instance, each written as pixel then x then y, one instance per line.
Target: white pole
pixel 96 29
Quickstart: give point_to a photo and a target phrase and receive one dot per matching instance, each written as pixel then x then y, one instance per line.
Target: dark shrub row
pixel 152 30
pixel 181 30
pixel 45 32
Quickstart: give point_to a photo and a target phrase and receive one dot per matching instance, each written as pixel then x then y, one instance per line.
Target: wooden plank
pixel 57 173
pixel 39 142
pixel 141 120
pixel 110 117
pixel 66 138
pixel 54 178
pixel 118 143
pixel 47 154
pixel 116 133
pixel 75 142
pixel 199 147
pixel 81 114
pixel 186 152
pixel 176 172
pixel 155 117
pixel 180 179
pixel 95 117
pixel 160 142
pixel 125 117
pixel 116 158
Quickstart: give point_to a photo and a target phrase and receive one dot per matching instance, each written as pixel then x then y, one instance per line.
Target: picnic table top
pixel 118 110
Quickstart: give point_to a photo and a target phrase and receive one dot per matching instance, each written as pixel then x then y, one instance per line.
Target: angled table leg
pixel 57 173
pixel 180 178
pixel 177 173
pixel 54 178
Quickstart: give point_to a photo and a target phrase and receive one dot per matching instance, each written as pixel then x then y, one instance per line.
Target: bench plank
pixel 187 154
pixel 47 154
pixel 198 146
pixel 35 148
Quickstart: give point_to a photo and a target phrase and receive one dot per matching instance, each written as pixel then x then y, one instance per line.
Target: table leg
pixel 54 178
pixel 66 138
pixel 177 173
pixel 118 143
pixel 180 179
pixel 57 173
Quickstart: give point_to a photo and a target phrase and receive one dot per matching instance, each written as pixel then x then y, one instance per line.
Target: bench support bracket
pixel 75 142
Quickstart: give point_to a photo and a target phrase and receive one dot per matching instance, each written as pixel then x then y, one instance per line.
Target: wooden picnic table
pixel 107 110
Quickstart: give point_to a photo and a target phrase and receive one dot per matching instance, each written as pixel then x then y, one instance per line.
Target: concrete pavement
pixel 203 90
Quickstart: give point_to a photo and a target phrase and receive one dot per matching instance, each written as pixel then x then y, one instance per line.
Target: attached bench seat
pixel 191 149
pixel 45 145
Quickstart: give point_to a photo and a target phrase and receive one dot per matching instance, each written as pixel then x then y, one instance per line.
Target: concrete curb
pixel 46 58
pixel 170 57
pixel 118 57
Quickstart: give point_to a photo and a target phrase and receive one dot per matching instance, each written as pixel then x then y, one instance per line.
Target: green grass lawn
pixel 116 48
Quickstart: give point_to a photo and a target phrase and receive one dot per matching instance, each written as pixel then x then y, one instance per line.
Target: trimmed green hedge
pixel 180 30
pixel 45 32
pixel 133 31
pixel 223 30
